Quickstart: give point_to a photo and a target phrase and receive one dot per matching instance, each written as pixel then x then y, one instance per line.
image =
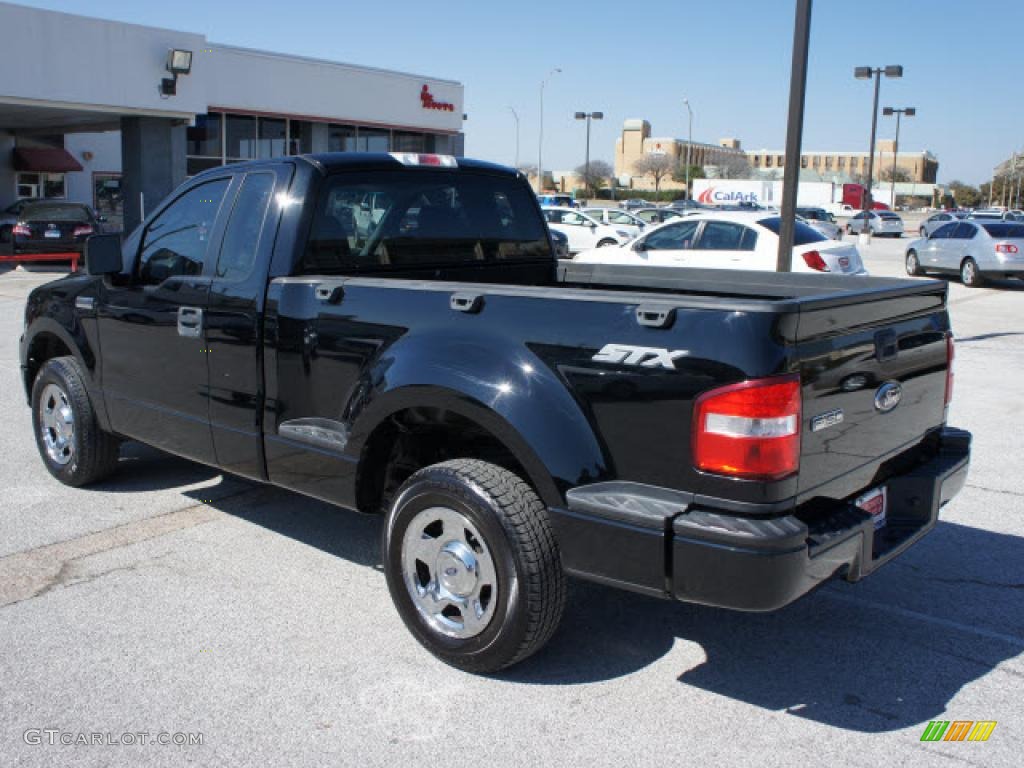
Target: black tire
pixel 913 265
pixel 970 275
pixel 90 454
pixel 606 242
pixel 529 594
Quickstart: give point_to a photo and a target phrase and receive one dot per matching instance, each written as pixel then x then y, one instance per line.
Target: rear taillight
pixel 82 230
pixel 749 430
pixel 813 260
pixel 21 229
pixel 950 354
pixel 1006 248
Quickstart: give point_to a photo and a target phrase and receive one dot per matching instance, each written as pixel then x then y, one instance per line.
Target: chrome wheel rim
pixel 449 573
pixel 57 424
pixel 968 272
pixel 911 264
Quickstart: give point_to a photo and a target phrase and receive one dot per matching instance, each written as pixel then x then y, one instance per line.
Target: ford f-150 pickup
pixel 392 333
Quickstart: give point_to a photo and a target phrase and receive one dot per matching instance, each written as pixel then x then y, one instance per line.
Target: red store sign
pixel 427 100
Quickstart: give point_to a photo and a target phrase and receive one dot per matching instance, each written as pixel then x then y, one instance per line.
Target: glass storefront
pixel 222 137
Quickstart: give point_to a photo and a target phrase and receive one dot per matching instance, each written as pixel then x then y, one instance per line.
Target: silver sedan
pixel 822 221
pixel 877 223
pixel 975 250
pixel 935 221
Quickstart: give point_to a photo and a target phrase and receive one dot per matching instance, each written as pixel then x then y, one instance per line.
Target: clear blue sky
pixel 640 58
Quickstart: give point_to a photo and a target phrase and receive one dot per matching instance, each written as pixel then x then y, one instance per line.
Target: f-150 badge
pixel 646 357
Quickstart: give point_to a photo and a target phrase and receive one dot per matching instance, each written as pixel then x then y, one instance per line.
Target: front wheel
pixel 970 275
pixel 73 447
pixel 606 242
pixel 472 565
pixel 913 265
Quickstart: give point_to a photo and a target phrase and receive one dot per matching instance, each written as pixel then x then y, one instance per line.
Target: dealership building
pixel 116 115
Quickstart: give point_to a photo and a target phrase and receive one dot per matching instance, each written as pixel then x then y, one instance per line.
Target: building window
pixel 408 142
pixel 841 163
pixel 273 133
pixel 803 161
pixel 240 133
pixel 757 161
pixel 828 163
pixel 373 140
pixel 300 137
pixel 816 161
pixel 341 138
pixel 204 138
pixel 48 185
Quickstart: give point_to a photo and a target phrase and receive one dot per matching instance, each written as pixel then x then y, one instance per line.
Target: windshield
pixel 420 218
pixel 1004 229
pixel 802 234
pixel 54 212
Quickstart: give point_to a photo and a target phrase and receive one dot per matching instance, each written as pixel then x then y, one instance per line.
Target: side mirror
pixel 639 246
pixel 103 255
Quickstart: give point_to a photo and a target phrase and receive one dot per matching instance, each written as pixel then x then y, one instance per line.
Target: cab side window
pixel 676 237
pixel 245 227
pixel 175 242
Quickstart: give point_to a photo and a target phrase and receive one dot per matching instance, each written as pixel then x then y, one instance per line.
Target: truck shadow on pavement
pixel 882 655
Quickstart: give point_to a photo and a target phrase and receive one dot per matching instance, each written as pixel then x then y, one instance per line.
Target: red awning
pixel 44 160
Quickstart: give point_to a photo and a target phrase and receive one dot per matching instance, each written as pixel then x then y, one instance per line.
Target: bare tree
pixel 595 177
pixel 732 166
pixel 901 174
pixel 655 166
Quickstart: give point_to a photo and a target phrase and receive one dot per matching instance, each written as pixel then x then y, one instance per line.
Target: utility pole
pixel 794 134
pixel 516 116
pixel 689 143
pixel 867 73
pixel 588 116
pixel 889 112
pixel 540 140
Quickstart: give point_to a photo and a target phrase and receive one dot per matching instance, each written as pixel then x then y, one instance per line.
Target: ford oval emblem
pixel 888 396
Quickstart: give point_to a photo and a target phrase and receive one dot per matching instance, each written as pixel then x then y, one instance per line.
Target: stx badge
pixel 646 357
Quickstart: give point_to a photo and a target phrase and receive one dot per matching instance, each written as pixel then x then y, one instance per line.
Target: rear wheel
pixel 913 265
pixel 970 275
pixel 472 565
pixel 606 242
pixel 73 447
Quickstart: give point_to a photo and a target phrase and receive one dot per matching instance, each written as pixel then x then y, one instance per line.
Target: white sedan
pixel 739 240
pixel 583 232
pixel 618 218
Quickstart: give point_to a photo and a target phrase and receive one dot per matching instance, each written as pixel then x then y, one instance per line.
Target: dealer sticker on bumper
pixel 874 503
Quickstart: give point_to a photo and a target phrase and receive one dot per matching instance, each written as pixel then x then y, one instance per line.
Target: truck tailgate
pixel 874 384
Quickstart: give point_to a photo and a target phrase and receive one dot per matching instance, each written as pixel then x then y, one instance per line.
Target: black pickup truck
pixel 392 334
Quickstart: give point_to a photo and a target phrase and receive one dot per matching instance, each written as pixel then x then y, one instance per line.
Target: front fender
pixel 504 388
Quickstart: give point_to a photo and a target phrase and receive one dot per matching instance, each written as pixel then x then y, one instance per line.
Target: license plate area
pixel 52 234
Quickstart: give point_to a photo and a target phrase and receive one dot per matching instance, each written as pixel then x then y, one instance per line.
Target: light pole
pixel 689 144
pixel 866 73
pixel 540 140
pixel 889 112
pixel 588 116
pixel 516 116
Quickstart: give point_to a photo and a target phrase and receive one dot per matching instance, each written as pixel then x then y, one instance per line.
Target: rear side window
pixel 726 236
pixel 673 237
pixel 802 234
pixel 964 231
pixel 175 241
pixel 242 236
pixel 417 218
pixel 944 232
pixel 1004 230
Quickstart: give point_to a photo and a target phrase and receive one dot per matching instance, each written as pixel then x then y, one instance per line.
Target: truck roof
pixel 333 162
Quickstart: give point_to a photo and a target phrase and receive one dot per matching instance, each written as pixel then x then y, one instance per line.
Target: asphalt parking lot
pixel 172 599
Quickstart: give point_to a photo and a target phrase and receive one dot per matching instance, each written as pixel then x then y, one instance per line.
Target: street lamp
pixel 866 73
pixel 540 140
pixel 689 144
pixel 588 116
pixel 516 116
pixel 889 112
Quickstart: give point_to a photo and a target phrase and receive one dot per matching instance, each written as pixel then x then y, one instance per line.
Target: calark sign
pixel 734 191
pixel 428 101
pixel 715 196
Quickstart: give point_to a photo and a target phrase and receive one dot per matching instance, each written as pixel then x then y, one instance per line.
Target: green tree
pixel 679 174
pixel 900 174
pixel 965 195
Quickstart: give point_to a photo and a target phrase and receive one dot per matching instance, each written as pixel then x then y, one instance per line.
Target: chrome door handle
pixel 190 322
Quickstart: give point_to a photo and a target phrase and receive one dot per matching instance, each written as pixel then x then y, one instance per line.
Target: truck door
pixel 233 322
pixel 151 326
